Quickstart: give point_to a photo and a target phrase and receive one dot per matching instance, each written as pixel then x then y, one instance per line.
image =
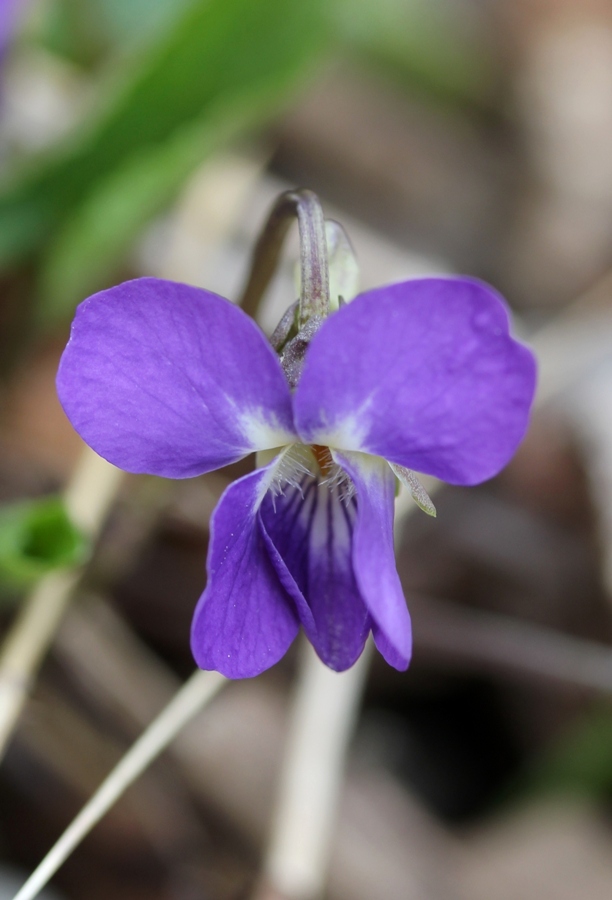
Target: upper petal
pixel 244 621
pixel 374 555
pixel 172 380
pixel 423 373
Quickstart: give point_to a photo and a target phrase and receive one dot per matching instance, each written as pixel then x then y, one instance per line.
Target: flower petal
pixel 172 380
pixel 309 531
pixel 244 621
pixel 374 555
pixel 423 373
pixel 387 650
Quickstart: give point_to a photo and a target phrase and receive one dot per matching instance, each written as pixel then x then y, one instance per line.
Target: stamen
pixel 323 457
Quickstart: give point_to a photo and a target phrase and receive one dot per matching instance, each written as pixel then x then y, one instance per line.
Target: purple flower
pixel 10 14
pixel 175 381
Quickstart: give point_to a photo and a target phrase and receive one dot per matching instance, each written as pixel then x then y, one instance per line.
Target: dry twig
pixel 193 696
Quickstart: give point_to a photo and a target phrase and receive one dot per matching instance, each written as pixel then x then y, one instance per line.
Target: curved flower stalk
pixel 176 381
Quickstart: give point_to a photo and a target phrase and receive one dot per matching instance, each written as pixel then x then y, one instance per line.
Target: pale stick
pixel 324 711
pixel 88 497
pixel 192 697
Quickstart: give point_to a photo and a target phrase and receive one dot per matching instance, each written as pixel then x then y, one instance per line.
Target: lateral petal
pixel 244 621
pixel 374 555
pixel 171 380
pixel 423 373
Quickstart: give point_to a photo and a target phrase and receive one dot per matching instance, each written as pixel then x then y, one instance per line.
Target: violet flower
pixel 10 15
pixel 175 381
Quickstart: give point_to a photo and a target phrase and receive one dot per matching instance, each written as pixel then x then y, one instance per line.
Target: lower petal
pixel 244 621
pixel 374 555
pixel 309 534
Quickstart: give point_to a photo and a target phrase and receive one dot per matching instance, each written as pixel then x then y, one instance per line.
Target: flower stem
pixel 314 296
pixel 195 693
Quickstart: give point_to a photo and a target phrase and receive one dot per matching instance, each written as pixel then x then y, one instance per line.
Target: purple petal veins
pixel 424 374
pixel 171 380
pixel 308 527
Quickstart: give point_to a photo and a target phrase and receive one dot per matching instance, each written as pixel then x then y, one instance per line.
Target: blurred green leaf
pixel 70 29
pixel 86 30
pixel 136 19
pixel 219 52
pixel 37 536
pixel 433 44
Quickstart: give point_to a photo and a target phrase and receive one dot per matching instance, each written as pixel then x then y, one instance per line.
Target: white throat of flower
pixel 297 464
